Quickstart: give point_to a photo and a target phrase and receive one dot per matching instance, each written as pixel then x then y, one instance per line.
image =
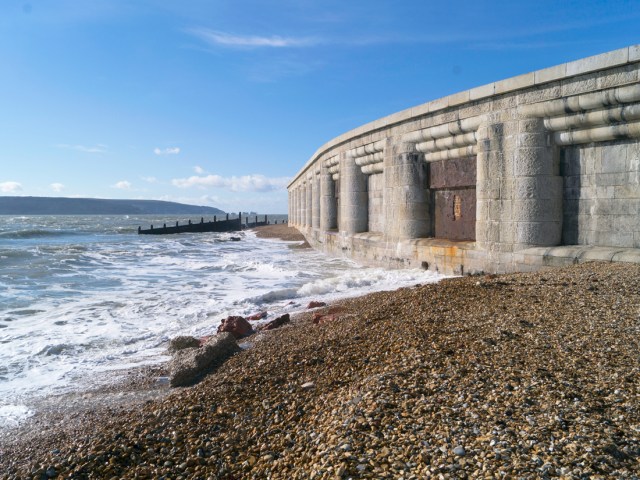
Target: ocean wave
pixel 35 233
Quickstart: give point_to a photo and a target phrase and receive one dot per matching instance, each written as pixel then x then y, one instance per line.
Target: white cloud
pixel 57 187
pixel 167 151
pixel 246 183
pixel 150 179
pixel 217 38
pixel 199 170
pixel 81 148
pixel 10 187
pixel 122 185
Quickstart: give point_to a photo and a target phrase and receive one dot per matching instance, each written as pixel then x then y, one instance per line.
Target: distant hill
pixel 96 206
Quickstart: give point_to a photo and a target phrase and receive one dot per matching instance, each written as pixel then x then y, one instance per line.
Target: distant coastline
pixel 96 206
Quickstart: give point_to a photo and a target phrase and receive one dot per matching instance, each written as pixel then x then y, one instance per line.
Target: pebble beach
pixel 532 375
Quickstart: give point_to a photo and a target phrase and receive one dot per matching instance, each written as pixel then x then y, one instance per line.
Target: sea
pixel 82 295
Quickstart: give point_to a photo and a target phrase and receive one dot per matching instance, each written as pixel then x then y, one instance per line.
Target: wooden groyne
pixel 215 225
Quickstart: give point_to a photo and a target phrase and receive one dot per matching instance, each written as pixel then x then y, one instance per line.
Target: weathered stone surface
pixel 188 365
pixel 556 151
pixel 182 342
pixel 257 316
pixel 277 323
pixel 236 325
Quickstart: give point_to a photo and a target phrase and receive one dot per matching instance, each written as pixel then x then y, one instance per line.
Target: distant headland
pixel 96 206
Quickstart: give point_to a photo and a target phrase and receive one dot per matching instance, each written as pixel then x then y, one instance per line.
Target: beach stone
pixel 278 322
pixel 321 319
pixel 257 316
pixel 187 366
pixel 459 451
pixel 316 304
pixel 236 325
pixel 182 342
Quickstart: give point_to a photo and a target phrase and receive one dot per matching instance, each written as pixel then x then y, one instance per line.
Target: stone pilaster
pixel 296 206
pixel 315 202
pixel 406 196
pixel 354 198
pixel 490 176
pixel 309 201
pixel 537 187
pixel 299 215
pixel 519 189
pixel 328 210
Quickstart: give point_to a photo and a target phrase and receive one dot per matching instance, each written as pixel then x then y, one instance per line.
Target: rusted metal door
pixel 453 190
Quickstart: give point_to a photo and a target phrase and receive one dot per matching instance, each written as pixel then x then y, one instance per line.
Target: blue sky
pixel 220 102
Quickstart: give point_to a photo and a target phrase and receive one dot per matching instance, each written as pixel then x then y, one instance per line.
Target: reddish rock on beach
pixel 322 318
pixel 257 316
pixel 236 325
pixel 315 304
pixel 277 323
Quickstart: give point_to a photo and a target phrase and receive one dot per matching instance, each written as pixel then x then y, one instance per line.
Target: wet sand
pixel 282 232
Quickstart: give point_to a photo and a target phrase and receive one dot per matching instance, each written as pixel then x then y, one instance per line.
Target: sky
pixel 221 102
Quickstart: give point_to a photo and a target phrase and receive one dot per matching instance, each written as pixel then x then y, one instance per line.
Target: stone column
pixel 519 189
pixel 315 202
pixel 328 211
pixel 354 200
pixel 294 220
pixel 537 195
pixel 298 205
pixel 406 195
pixel 490 170
pixel 310 194
pixel 303 205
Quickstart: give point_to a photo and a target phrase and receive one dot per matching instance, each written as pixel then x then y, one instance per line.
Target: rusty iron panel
pixel 454 213
pixel 454 173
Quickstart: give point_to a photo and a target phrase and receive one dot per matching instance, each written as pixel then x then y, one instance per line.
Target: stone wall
pixel 534 170
pixel 601 196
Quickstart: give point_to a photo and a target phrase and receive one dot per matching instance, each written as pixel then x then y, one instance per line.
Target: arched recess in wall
pixel 370 159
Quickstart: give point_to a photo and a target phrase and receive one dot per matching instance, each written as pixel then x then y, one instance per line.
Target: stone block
pixel 581 84
pixel 533 161
pixel 620 76
pixel 611 179
pixel 482 91
pixel 458 98
pixel 532 140
pixel 537 210
pixel 630 256
pixel 439 104
pixel 614 158
pixel 538 233
pixel 538 187
pixel 507 233
pixel 505 102
pixel 598 62
pixel 633 156
pixel 479 108
pixel 514 83
pixel 634 53
pixel 540 94
pixel 420 110
pixel 550 74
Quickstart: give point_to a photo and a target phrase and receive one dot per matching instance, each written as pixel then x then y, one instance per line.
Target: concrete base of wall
pixel 457 258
